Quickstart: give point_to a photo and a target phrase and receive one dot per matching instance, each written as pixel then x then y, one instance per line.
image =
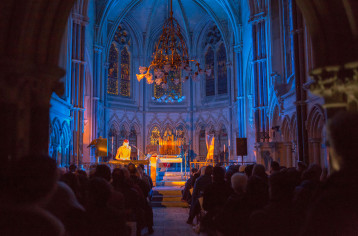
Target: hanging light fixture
pixel 171 54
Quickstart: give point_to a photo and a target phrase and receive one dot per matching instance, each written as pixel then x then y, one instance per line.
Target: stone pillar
pixel 288 153
pixel 97 80
pixel 300 79
pixel 78 85
pixel 25 103
pixel 240 93
pixel 258 22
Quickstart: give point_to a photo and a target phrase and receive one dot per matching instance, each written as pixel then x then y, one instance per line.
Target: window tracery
pixel 222 71
pixel 119 58
pixel 215 59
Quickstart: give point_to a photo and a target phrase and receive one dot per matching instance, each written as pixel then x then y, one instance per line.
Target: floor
pixel 171 221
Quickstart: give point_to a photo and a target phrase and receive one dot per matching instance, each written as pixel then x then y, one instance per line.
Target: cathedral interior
pixel 279 71
pixel 258 86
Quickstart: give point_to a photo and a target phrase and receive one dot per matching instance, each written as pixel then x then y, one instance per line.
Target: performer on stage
pixel 124 151
pixel 210 142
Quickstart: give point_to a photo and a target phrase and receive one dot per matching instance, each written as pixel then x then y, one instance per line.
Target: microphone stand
pixel 138 150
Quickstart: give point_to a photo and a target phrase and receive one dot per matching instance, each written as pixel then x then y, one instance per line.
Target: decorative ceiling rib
pixel 149 13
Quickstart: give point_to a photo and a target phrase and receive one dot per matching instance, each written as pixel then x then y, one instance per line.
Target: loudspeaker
pixel 241 146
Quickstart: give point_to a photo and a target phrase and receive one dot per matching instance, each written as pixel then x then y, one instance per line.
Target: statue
pixel 124 151
pixel 210 143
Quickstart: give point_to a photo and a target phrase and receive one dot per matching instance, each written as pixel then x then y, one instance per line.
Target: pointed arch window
pixel 222 71
pixel 216 83
pixel 112 87
pixel 210 79
pixel 119 68
pixel 125 81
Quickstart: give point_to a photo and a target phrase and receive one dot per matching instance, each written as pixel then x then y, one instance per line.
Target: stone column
pixel 258 22
pixel 240 93
pixel 300 79
pixel 288 153
pixel 78 85
pixel 97 80
pixel 24 102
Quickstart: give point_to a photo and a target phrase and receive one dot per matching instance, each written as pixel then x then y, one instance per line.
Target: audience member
pixel 103 219
pixel 200 184
pixel 277 218
pixel 257 187
pixel 334 211
pixel 233 218
pixel 189 184
pixel 275 167
pixel 31 183
pixel 214 197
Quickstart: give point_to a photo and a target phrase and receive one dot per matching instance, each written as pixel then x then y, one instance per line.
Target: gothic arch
pixel 315 126
pixel 316 121
pixel 286 132
pixel 56 138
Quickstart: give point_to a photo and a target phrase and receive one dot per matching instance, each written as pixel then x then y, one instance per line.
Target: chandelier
pixel 171 54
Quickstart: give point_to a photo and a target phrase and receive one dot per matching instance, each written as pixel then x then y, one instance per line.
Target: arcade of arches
pixel 68 76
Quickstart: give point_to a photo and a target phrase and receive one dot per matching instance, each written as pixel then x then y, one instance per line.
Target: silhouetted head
pixel 218 174
pixel 259 170
pixel 275 166
pixel 209 170
pixel 301 166
pixel 193 171
pixel 248 170
pixel 239 182
pixel 103 171
pixel 132 169
pixel 343 136
pixel 312 173
pixel 72 168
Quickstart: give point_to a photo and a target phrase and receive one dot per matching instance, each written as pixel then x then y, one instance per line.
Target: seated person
pixel 124 151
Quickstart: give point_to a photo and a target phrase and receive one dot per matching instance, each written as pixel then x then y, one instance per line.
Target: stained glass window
pixel 125 82
pixel 210 79
pixel 222 72
pixel 174 87
pixel 112 87
pixel 133 141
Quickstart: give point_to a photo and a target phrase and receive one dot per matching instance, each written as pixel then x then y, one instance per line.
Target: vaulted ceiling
pixel 147 16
